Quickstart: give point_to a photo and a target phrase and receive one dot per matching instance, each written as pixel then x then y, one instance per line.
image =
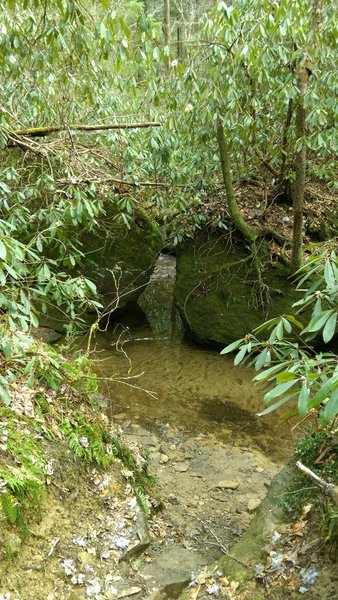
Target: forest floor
pixel 93 540
pixel 270 211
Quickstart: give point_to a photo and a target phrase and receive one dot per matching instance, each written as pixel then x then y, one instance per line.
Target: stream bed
pixel 212 456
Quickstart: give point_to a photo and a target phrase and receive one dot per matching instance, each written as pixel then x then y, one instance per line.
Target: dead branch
pixel 266 163
pixel 44 131
pixel 107 180
pixel 328 488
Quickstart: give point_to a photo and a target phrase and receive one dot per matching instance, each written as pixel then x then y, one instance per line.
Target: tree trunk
pixel 248 232
pixel 300 168
pixel 304 73
pixel 166 22
pixel 285 142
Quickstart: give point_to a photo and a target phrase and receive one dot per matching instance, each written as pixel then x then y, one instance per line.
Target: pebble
pixel 259 469
pixel 182 467
pixel 227 485
pixel 164 459
pixel 253 503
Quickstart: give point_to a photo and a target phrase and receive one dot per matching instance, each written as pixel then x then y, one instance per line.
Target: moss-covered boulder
pixel 119 260
pixel 217 292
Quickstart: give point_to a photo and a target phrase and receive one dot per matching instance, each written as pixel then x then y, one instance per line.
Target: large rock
pixel 118 260
pixel 217 293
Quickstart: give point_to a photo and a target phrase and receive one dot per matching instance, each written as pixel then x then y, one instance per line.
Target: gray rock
pixel 182 467
pixel 170 571
pixel 164 459
pixel 225 484
pixel 252 504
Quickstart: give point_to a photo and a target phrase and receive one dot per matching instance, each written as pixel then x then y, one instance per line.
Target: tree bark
pixel 300 168
pixel 285 141
pixel 166 22
pixel 248 232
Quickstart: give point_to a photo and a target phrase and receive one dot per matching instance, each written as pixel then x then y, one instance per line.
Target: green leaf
pixel 5 396
pixel 318 322
pixel 240 355
pixel 266 374
pixel 274 406
pixel 3 251
pixel 231 347
pixel 285 376
pixel 261 359
pixel 331 408
pixel 29 366
pixel 330 328
pixel 287 325
pixel 303 399
pixel 279 390
pixel 31 380
pixel 324 391
pixel 329 275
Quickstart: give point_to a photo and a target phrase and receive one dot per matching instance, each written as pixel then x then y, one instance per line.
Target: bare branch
pixel 44 131
pixel 328 488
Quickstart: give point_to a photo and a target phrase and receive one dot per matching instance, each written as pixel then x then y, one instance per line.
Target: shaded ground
pixel 263 206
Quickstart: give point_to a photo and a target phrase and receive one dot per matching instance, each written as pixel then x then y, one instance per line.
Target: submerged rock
pixel 217 292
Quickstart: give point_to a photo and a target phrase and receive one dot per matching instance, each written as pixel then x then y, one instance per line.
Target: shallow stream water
pixel 194 388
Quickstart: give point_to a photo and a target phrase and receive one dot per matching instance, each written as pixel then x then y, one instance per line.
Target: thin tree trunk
pixel 166 22
pixel 248 232
pixel 285 141
pixel 300 168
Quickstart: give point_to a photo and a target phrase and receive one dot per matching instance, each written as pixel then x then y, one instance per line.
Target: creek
pixel 212 457
pixel 193 388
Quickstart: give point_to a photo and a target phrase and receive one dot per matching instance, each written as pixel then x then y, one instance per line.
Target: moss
pixel 250 549
pixel 118 260
pixel 217 292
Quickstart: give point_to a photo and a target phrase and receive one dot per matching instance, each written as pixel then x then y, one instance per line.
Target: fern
pixel 10 507
pixel 142 500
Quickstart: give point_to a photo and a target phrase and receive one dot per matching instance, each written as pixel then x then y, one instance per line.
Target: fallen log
pixel 44 131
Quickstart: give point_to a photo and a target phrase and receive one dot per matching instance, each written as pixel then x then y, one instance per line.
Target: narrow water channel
pixel 193 388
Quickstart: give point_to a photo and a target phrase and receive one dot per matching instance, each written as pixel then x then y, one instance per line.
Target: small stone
pixel 252 504
pixel 164 459
pixel 227 485
pixel 182 467
pixel 14 544
pixel 259 469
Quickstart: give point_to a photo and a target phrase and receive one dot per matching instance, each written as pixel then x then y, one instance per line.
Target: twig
pixel 219 543
pixel 266 163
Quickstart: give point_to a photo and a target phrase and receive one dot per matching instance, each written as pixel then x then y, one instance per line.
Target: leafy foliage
pixel 291 368
pixel 21 495
pixel 317 448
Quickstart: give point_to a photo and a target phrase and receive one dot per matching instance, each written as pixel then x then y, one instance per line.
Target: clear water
pixel 194 388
